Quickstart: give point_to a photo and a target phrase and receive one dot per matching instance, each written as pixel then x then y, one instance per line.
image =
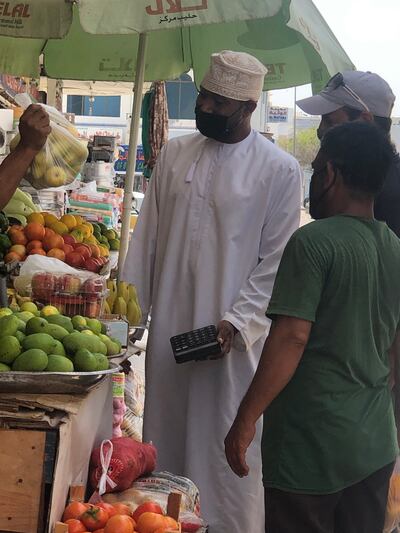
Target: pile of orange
pixel 49 236
pixel 117 518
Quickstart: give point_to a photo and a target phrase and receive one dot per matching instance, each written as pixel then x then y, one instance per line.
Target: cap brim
pixel 318 105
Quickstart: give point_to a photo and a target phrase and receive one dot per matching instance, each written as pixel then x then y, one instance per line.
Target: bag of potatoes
pixel 62 157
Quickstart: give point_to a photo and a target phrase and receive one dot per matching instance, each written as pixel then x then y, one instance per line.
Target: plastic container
pixel 70 294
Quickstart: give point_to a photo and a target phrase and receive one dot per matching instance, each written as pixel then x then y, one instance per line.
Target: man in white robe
pixel 220 207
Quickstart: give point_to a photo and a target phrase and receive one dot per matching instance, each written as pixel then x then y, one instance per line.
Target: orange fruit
pixel 18 249
pixel 17 236
pixel 95 250
pixel 11 256
pixel 49 219
pixel 150 522
pixel 34 231
pixel 120 524
pixel 36 217
pixel 37 251
pixel 53 241
pixel 69 221
pixel 59 228
pixel 33 244
pixel 121 508
pixel 171 523
pixel 75 526
pixel 74 510
pixel 56 253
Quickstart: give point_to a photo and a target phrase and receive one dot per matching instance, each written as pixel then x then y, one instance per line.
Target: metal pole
pixel 294 122
pixel 133 143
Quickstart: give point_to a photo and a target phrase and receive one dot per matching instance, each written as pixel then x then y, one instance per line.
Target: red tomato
pixel 75 526
pixel 121 508
pixel 74 510
pixel 94 518
pixel 111 510
pixel 120 524
pixel 147 507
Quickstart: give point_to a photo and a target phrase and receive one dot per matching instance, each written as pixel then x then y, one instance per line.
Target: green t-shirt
pixel 333 425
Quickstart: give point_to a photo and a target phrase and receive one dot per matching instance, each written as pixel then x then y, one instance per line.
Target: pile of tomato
pixel 117 518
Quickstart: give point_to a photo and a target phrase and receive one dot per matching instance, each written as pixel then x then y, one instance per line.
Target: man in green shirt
pixel 323 381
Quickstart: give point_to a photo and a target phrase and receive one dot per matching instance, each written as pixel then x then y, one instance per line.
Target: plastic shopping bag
pixel 62 157
pixel 392 519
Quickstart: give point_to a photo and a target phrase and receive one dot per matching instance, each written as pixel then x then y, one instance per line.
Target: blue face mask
pixel 215 126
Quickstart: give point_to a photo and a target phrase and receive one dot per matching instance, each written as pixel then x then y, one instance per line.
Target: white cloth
pixel 207 245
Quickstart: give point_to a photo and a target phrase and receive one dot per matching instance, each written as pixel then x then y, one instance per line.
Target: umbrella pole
pixel 133 143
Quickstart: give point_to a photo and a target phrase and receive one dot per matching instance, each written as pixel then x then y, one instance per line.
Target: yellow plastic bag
pixel 392 519
pixel 61 158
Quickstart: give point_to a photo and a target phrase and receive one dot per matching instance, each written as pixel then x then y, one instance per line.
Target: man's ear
pixel 331 172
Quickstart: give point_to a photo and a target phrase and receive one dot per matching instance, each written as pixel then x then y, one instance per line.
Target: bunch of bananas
pixel 123 300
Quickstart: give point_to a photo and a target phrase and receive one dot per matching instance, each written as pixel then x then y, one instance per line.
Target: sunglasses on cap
pixel 337 81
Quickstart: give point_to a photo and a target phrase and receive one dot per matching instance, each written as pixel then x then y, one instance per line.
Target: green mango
pixel 9 325
pixel 31 361
pixel 10 349
pixel 36 325
pixel 55 331
pixel 41 341
pixel 102 362
pixel 58 363
pixel 85 361
pixel 61 320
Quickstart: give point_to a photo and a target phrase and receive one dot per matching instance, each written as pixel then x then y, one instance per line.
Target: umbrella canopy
pixel 98 39
pixel 152 40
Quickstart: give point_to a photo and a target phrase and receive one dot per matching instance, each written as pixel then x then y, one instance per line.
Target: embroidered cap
pixel 235 75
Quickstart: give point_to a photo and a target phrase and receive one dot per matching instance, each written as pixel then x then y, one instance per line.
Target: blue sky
pixel 369 31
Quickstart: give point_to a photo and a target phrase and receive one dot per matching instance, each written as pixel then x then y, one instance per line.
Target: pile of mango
pixel 123 300
pixel 46 341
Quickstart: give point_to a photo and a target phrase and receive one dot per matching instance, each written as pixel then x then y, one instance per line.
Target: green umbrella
pixel 125 40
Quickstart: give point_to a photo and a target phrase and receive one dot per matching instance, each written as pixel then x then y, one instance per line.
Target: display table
pixel 45 447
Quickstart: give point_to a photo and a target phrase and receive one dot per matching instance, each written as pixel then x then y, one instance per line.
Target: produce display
pixel 118 518
pixel 71 239
pixel 123 300
pixel 69 293
pixel 61 158
pixel 47 341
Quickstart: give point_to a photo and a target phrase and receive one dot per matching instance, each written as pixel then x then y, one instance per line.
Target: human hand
pixel 237 442
pixel 225 333
pixel 34 128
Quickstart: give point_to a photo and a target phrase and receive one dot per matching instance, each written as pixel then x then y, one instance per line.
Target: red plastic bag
pixel 117 463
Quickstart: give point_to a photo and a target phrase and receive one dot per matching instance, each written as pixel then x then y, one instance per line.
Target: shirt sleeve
pixel 300 279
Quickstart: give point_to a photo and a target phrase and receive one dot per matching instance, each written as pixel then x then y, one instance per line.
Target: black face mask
pixel 315 199
pixel 214 126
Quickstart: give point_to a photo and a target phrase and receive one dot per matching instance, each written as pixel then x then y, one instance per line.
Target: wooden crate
pixel 22 454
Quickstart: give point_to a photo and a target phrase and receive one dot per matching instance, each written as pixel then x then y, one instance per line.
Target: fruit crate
pixel 70 294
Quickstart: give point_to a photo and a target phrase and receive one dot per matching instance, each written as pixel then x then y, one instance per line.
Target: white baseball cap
pixel 364 91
